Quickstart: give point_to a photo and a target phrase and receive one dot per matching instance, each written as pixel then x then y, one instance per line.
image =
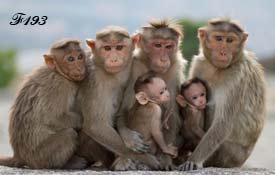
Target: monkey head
pixel 193 93
pixel 150 88
pixel 159 42
pixel 112 49
pixel 222 42
pixel 68 59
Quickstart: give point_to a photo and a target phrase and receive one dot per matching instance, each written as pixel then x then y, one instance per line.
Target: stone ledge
pixel 205 171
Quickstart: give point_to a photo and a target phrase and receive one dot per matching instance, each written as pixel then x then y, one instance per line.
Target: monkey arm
pixel 76 120
pixel 220 129
pixel 156 131
pixel 112 141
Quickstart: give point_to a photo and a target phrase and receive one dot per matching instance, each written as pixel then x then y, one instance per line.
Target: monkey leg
pixel 229 155
pixel 93 152
pixel 53 152
pixel 125 164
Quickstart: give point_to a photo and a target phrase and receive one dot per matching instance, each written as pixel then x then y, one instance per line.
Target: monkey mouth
pixel 113 69
pixel 78 77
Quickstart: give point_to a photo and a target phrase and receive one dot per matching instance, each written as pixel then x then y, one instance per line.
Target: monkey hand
pixel 134 141
pixel 189 165
pixel 171 150
pixel 166 162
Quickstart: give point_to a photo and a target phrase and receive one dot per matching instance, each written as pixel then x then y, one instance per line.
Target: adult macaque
pixel 101 93
pixel 157 51
pixel 43 121
pixel 145 116
pixel 193 100
pixel 237 84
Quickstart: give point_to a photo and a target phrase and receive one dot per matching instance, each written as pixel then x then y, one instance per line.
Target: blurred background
pixel 22 46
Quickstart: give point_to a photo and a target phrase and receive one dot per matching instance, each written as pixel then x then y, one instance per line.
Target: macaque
pixel 193 100
pixel 237 86
pixel 101 93
pixel 145 116
pixel 43 121
pixel 158 51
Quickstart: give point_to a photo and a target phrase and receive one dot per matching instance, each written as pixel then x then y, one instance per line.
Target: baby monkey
pixel 193 100
pixel 151 93
pixel 146 116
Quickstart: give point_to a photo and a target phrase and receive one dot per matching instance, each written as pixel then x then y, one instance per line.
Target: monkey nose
pixel 223 53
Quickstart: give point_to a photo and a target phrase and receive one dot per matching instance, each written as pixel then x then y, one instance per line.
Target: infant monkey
pixel 193 99
pixel 146 114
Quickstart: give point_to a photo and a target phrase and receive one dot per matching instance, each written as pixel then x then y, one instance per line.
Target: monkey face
pixel 114 57
pixel 160 52
pixel 158 91
pixel 222 46
pixel 196 95
pixel 73 65
pixel 115 54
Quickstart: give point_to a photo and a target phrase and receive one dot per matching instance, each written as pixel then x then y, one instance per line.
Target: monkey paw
pixel 134 141
pixel 189 165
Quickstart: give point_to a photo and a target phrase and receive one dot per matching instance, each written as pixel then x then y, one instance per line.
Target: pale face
pixel 115 55
pixel 196 95
pixel 160 52
pixel 223 46
pixel 158 91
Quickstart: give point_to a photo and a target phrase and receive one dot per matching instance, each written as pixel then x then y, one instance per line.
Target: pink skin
pixel 158 91
pixel 196 95
pixel 223 45
pixel 115 56
pixel 160 51
pixel 73 65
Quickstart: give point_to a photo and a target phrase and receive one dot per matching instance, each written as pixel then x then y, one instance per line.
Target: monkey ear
pixel 136 38
pixel 142 98
pixel 181 101
pixel 49 60
pixel 90 43
pixel 202 33
pixel 245 36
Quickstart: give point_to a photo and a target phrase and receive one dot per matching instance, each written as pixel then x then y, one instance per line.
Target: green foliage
pixel 190 43
pixel 7 67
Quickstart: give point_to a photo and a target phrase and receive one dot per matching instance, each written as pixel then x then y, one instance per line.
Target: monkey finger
pixel 142 148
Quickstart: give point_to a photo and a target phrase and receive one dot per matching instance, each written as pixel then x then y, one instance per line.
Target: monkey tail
pixel 10 162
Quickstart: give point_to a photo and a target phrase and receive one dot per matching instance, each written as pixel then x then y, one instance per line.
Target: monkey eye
pixel 80 57
pixel 70 58
pixel 158 45
pixel 229 40
pixel 107 48
pixel 161 92
pixel 119 47
pixel 218 38
pixel 169 46
pixel 194 98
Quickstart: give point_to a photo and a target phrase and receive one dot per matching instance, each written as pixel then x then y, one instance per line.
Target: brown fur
pixel 237 119
pixel 100 96
pixel 173 77
pixel 43 121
